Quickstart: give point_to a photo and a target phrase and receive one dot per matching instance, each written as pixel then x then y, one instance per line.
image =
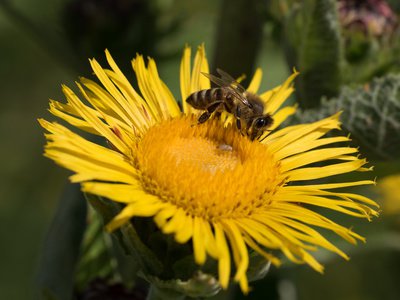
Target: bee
pixel 247 108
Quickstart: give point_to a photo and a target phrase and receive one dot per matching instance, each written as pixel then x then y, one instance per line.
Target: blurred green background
pixel 47 43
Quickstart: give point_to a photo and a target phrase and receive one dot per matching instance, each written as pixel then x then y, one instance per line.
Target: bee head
pixel 259 125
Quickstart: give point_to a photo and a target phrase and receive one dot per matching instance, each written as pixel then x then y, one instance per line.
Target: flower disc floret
pixel 209 170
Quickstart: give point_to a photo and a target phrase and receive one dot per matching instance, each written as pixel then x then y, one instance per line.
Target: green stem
pixel 239 36
pixel 156 293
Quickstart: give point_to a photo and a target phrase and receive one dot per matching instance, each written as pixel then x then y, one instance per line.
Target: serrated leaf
pixel 371 114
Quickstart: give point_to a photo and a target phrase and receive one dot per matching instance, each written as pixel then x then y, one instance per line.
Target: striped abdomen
pixel 202 99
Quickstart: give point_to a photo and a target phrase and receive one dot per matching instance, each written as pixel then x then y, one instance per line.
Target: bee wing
pixel 240 96
pixel 218 81
pixel 237 88
pixel 227 81
pixel 232 82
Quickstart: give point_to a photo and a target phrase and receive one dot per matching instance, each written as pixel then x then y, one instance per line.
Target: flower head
pixel 373 17
pixel 207 183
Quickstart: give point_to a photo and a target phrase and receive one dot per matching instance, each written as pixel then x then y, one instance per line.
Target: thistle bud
pixel 371 113
pixel 366 24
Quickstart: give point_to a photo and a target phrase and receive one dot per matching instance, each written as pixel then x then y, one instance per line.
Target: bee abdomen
pixel 201 99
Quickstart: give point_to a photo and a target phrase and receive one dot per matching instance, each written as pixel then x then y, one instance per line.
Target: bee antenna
pixel 264 137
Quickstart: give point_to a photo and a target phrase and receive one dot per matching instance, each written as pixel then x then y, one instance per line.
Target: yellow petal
pixel 209 240
pixel 93 120
pixel 281 115
pixel 145 86
pixel 89 160
pixel 255 82
pixel 199 248
pixel 224 262
pixel 276 100
pixel 314 156
pixel 119 192
pixel 185 231
pixel 198 81
pixel 162 216
pixel 132 210
pixel 239 249
pixel 288 137
pixel 326 171
pixel 162 92
pixel 185 77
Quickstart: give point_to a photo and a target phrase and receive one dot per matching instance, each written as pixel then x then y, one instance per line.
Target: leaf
pixel 96 258
pixel 136 252
pixel 62 246
pixel 148 261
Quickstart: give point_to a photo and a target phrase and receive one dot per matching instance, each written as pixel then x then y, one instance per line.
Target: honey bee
pixel 247 108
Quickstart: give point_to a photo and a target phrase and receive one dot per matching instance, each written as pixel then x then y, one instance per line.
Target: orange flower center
pixel 210 170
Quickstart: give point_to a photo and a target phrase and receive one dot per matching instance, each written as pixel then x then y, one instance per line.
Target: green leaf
pixel 62 245
pixel 149 262
pixel 136 252
pixel 96 258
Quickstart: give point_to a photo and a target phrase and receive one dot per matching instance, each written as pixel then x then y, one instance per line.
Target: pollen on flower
pixel 208 170
pixel 204 152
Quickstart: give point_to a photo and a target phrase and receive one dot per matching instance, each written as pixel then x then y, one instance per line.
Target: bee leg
pixel 238 122
pixel 204 117
pixel 209 110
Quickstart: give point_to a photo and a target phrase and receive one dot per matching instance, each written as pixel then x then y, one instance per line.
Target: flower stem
pixel 156 293
pixel 249 16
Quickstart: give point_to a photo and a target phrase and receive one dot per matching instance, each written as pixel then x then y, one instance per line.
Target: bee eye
pixel 260 123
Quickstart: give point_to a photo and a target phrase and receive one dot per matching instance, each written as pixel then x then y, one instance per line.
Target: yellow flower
pixel 389 188
pixel 207 183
